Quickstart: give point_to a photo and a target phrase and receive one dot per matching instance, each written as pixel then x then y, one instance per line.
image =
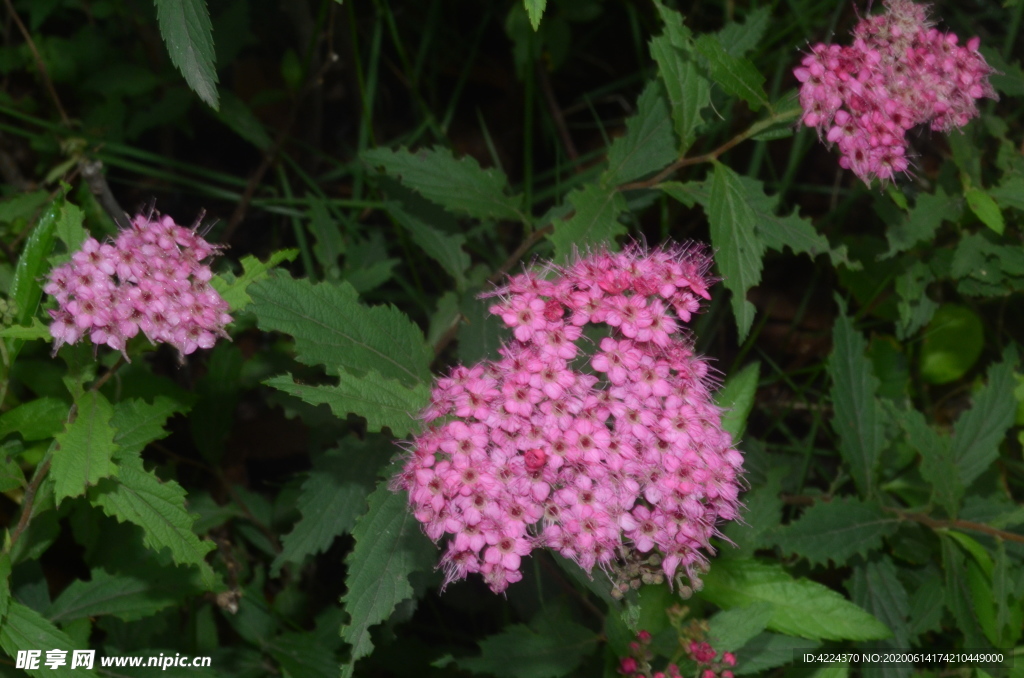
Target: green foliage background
pixel 374 167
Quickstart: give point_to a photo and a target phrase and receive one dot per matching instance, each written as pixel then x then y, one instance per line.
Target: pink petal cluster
pixel 899 72
pixel 151 279
pixel 594 434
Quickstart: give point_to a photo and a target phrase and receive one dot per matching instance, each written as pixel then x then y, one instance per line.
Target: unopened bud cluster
pixel 594 434
pixel 899 72
pixel 150 280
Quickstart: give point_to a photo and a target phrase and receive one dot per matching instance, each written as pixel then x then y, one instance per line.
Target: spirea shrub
pixel 150 279
pixel 594 434
pixel 899 72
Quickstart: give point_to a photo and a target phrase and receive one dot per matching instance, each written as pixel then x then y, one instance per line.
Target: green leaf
pixel 958 594
pixel 69 226
pixel 740 38
pixel 159 509
pixel 688 91
pixel 858 414
pixel 239 117
pixel 86 448
pixel 733 234
pixel 302 654
pixel 837 530
pixel 1009 193
pixel 923 221
pixel 389 547
pixel 770 650
pixel 952 344
pixel 5 585
pixel 762 516
pixel 914 305
pixel 37 419
pixel 459 185
pixel 234 290
pixel 26 629
pixel 595 223
pixel 186 29
pixel 126 597
pixel 551 646
pixel 979 431
pixel 877 588
pixel 992 268
pixel 37 330
pixel 384 403
pixel 792 231
pixel 332 497
pixel 737 399
pixel 986 209
pixel 332 328
pixel 676 31
pixel 26 287
pixel 444 248
pixel 736 75
pixel 648 144
pixel 535 10
pixel 800 607
pixel 732 629
pixel 937 466
pixel 139 423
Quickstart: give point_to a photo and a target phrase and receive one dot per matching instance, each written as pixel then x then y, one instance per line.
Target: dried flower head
pixel 594 434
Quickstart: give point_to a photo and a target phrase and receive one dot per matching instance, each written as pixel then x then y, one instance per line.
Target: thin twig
pixel 92 171
pixel 957 524
pixel 39 64
pixel 556 114
pixel 29 500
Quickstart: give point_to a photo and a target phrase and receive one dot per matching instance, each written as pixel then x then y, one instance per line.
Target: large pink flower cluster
pixel 151 279
pixel 899 72
pixel 596 454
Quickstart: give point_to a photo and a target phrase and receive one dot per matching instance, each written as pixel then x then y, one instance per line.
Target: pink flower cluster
pixel 708 661
pixel 899 72
pixel 638 663
pixel 593 453
pixel 151 279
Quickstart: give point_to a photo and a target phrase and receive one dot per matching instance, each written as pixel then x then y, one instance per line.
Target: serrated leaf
pixel 384 403
pixel 740 38
pixel 877 588
pixel 26 286
pixel 37 419
pixel 937 466
pixel 986 209
pixel 159 509
pixel 914 305
pixel 333 496
pixel 233 289
pixel 535 10
pixel 792 231
pixel 739 250
pixel 858 414
pixel 36 330
pixel 978 431
pixel 997 269
pixel 648 144
pixel 389 547
pixel 302 654
pixel 1009 193
pixel 595 223
pixel 676 31
pixel 458 185
pixel 332 328
pixel 837 531
pixel 732 629
pixel 736 75
pixel 69 226
pixel 86 448
pixel 126 597
pixel 926 605
pixel 551 646
pixel 689 92
pixel 800 607
pixel 444 248
pixel 920 224
pixel 761 517
pixel 26 629
pixel 770 650
pixel 139 423
pixel 186 29
pixel 958 594
pixel 736 397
